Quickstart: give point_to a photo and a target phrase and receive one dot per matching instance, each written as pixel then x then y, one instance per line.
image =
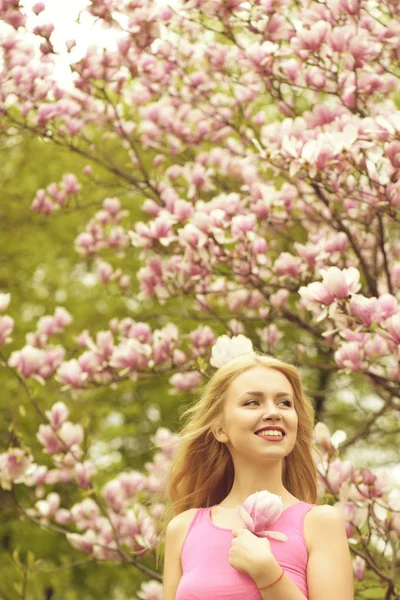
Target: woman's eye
pixel 287 402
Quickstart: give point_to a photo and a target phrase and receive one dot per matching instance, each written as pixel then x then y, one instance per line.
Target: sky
pixel 63 15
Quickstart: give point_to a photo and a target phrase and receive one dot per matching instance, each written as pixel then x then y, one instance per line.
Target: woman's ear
pixel 220 435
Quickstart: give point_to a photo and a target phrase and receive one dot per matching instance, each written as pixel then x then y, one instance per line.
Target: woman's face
pixel 258 398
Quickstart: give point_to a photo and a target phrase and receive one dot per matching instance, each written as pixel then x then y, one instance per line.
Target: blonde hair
pixel 201 471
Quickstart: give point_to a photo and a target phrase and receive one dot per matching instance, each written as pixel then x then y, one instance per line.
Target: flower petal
pixel 244 515
pixel 277 535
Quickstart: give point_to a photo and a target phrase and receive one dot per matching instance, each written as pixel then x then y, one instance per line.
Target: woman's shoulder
pixel 322 512
pixel 182 521
pixel 319 521
pixel 179 525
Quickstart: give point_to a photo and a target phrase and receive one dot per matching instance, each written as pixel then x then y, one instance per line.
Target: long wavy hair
pixel 201 471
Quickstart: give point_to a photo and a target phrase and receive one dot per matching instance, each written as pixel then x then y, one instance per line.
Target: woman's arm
pixel 329 568
pixel 172 562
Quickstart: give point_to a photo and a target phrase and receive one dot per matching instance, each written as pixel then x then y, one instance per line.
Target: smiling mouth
pixel 274 436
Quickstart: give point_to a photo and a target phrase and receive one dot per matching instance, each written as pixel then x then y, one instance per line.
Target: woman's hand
pixel 250 553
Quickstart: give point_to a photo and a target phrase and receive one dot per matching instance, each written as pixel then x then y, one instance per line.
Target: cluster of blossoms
pixel 131 348
pixel 272 200
pixel 118 525
pixel 104 230
pixel 105 527
pixel 370 504
pixel 38 358
pixel 366 329
pixel 55 195
pixel 126 350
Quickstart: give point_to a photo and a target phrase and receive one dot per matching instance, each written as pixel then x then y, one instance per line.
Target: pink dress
pixel 207 574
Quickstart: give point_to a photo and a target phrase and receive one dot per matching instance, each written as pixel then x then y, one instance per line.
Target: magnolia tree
pixel 261 140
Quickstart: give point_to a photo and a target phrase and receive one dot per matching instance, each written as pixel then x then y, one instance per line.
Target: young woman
pixel 222 459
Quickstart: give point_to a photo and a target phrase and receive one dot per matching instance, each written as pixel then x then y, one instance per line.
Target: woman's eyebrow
pixel 262 395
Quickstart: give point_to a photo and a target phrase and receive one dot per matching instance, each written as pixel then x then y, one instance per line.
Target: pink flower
pixel 105 271
pixel 310 39
pixel 57 414
pixel 83 473
pixel 386 307
pixel 48 507
pixel 70 183
pixel 287 264
pixel 393 327
pixel 316 292
pixel 322 436
pixel 112 206
pixel 351 7
pixel 71 434
pixel 130 355
pixel 13 465
pixel 4 301
pixel 48 439
pixel 349 356
pixel 376 346
pixel 38 8
pixel 363 308
pixel 359 567
pixel 186 381
pixel 51 325
pixel 72 374
pixel 393 153
pixel 341 282
pixel 339 472
pixel 28 360
pixel 201 338
pixel 84 543
pixel 259 511
pixel 279 299
pixel 6 327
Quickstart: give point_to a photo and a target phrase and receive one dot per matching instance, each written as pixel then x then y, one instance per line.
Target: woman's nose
pixel 271 410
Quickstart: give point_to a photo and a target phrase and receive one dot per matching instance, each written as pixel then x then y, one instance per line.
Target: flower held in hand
pixel 259 511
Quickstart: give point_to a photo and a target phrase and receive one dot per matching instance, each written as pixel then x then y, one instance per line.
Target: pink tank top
pixel 206 572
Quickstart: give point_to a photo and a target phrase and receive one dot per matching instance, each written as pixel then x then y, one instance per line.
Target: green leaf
pixel 15 556
pixel 18 587
pixel 30 559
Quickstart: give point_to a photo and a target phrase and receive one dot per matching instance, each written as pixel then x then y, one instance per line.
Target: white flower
pixel 225 349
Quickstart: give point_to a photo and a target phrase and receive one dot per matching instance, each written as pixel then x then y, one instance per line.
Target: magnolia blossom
pixel 6 328
pixel 72 374
pixel 150 590
pixel 322 436
pixel 13 465
pixel 359 568
pixel 51 325
pixel 4 301
pixel 184 382
pixel 338 472
pixel 259 511
pixel 57 415
pixel 225 349
pixel 28 360
pixel 48 507
pixel 350 356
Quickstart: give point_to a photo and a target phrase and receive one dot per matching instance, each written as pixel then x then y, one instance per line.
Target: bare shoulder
pixel 320 522
pixel 329 552
pixel 179 525
pixel 179 521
